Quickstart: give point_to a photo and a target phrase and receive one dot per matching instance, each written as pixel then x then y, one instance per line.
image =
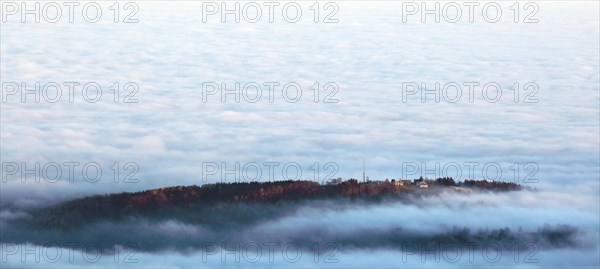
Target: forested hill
pixel 115 206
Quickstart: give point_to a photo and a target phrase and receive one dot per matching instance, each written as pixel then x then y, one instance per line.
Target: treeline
pixel 491 185
pixel 115 206
pixel 481 184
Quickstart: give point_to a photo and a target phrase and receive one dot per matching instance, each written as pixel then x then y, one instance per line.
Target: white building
pixel 335 181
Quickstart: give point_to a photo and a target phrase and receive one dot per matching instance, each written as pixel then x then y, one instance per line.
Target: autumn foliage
pixel 114 206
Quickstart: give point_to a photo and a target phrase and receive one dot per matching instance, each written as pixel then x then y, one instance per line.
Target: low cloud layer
pixel 369 53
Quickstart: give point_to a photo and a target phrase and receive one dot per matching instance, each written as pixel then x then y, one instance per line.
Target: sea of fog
pixel 169 127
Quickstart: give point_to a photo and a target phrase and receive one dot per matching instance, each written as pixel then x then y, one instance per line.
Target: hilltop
pixel 199 203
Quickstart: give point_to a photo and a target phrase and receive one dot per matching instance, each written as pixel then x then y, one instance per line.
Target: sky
pixel 169 129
